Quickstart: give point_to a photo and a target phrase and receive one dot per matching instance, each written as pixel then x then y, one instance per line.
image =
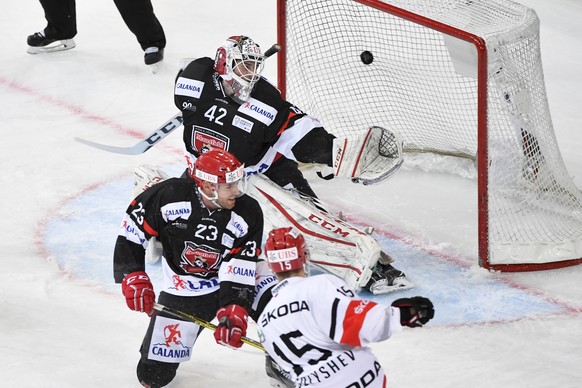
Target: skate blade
pixel 156 67
pixel 58 45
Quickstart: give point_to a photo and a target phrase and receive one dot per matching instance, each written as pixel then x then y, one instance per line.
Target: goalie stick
pixel 201 322
pixel 143 145
pixel 157 135
pixel 274 49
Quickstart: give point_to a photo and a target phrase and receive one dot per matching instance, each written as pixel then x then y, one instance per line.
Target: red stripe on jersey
pixel 284 126
pixel 237 250
pixel 354 320
pixel 149 229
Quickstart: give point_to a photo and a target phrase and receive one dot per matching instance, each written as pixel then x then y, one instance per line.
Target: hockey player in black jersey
pixel 227 104
pixel 210 233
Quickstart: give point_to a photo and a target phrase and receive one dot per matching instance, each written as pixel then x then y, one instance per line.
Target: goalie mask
pixel 286 250
pixel 225 174
pixel 239 62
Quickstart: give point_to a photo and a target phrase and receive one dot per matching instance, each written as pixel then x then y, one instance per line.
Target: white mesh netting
pixel 423 84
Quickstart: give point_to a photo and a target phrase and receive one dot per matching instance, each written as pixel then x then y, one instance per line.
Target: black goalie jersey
pixel 258 132
pixel 203 250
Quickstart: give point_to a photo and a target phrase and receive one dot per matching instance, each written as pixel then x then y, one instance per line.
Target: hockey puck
pixel 366 57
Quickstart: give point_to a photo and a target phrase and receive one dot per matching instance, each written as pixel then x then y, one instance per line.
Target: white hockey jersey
pixel 317 331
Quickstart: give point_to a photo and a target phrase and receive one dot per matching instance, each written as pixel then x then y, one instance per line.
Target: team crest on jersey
pixel 199 259
pixel 204 139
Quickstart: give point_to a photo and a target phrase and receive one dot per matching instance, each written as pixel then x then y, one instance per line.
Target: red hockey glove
pixel 139 292
pixel 232 326
pixel 414 312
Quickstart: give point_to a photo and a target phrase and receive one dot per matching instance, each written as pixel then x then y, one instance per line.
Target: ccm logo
pixel 344 232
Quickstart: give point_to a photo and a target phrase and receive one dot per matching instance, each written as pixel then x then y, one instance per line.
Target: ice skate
pixel 276 375
pixel 153 58
pixel 386 278
pixel 39 44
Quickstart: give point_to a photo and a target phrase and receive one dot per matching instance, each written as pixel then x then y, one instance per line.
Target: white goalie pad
pixel 145 177
pixel 369 158
pixel 334 245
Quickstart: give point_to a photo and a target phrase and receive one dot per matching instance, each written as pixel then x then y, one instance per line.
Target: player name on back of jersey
pixel 328 368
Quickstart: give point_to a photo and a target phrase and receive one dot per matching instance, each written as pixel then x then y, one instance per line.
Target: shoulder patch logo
pixel 188 87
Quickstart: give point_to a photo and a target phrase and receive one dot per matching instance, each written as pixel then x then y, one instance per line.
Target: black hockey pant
pixel 156 373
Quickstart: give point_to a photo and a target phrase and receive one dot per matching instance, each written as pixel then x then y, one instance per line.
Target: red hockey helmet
pixel 286 250
pixel 239 62
pixel 217 166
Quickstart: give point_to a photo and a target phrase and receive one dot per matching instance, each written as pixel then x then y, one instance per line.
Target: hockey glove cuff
pixel 139 292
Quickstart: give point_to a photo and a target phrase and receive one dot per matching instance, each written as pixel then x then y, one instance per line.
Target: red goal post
pixel 460 78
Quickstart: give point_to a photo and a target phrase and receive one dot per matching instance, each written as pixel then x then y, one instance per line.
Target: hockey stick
pixel 272 50
pixel 201 322
pixel 143 145
pixel 157 135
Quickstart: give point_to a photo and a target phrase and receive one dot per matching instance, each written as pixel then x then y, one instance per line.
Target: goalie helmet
pixel 286 250
pixel 239 62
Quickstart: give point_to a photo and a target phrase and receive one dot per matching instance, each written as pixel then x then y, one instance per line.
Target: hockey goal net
pixel 454 77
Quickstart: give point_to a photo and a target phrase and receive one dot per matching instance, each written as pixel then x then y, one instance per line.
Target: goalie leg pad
pixel 145 177
pixel 335 246
pixel 154 251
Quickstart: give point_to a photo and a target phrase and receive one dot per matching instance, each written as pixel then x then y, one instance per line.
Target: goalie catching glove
pixel 369 158
pixel 232 326
pixel 414 312
pixel 139 292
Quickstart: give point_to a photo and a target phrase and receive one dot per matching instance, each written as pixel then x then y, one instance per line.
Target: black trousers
pixel 61 18
pixel 138 15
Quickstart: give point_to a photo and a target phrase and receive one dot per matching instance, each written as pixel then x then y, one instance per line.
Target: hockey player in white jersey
pixel 315 328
